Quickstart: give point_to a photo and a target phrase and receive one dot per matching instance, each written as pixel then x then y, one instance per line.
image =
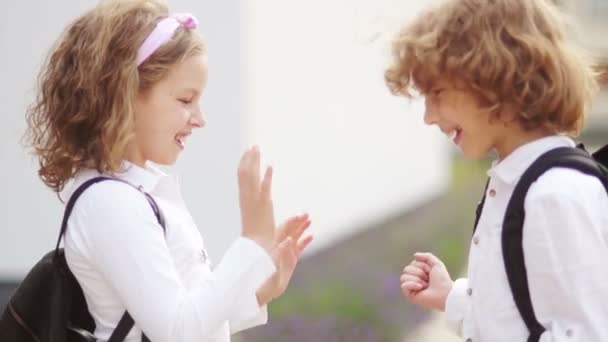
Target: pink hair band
pixel 163 32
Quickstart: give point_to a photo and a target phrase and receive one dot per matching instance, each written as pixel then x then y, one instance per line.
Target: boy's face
pixel 459 115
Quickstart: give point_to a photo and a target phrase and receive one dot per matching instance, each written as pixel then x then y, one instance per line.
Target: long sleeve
pixel 239 322
pixel 457 304
pixel 567 253
pixel 128 247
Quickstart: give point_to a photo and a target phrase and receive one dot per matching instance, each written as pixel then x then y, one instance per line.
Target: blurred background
pixel 304 80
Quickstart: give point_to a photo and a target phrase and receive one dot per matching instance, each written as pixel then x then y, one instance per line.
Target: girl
pixel 120 91
pixel 500 76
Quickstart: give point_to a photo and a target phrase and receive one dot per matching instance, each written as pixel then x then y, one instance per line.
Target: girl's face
pixel 167 113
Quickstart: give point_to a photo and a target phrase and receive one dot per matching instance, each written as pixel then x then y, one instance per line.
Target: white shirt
pixel 123 260
pixel 565 243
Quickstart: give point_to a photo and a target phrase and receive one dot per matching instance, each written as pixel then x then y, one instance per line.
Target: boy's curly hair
pixel 509 53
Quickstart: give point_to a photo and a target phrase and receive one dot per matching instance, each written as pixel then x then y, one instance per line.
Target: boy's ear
pixel 509 113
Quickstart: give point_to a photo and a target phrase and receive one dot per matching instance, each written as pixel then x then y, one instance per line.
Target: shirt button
pixel 470 291
pixel 469 340
pixel 476 240
pixel 492 193
pixel 569 333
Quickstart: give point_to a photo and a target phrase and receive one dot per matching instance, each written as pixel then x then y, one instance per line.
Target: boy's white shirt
pixel 565 243
pixel 123 260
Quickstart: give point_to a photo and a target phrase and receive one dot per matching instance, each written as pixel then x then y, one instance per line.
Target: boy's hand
pixel 426 282
pixel 257 212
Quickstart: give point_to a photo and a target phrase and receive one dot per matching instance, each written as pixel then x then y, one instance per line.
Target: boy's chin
pixel 473 155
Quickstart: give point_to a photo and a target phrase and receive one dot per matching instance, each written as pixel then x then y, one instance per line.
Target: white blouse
pixel 123 261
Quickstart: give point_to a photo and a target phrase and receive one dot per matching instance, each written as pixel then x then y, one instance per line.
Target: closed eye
pixel 437 92
pixel 185 101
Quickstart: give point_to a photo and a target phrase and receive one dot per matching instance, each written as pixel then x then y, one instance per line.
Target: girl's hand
pixel 289 246
pixel 257 212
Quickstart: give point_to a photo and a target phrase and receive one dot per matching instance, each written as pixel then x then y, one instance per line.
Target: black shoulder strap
pixel 479 208
pixel 601 156
pixel 123 328
pixel 126 322
pixel 76 194
pixel 512 232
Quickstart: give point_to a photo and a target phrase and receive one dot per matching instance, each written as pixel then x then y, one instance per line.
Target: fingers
pixel 418 269
pixel 287 253
pixel 302 244
pixel 411 287
pixel 249 170
pixel 294 227
pixel 408 278
pixel 255 165
pixel 266 187
pixel 297 247
pixel 428 259
pixel 418 264
pixel 296 233
pixel 257 213
pixel 242 171
pixel 415 278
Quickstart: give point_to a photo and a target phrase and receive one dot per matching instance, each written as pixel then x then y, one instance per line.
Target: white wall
pixel 344 148
pixel 297 77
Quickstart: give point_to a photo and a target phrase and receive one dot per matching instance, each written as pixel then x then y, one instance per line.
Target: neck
pixel 517 138
pixel 134 156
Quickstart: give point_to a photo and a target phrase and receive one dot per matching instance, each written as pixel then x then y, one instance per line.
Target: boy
pixel 498 75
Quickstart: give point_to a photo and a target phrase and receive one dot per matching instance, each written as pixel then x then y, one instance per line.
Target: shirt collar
pixel 513 166
pixel 147 177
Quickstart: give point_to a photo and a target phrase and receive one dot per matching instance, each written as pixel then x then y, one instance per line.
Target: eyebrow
pixel 191 90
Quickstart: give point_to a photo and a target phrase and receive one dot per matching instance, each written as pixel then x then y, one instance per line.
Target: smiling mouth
pixel 181 141
pixel 456 135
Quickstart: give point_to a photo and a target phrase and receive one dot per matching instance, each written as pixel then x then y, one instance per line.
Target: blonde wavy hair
pixel 508 53
pixel 83 114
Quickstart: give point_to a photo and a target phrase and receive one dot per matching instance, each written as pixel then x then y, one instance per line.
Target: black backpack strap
pixel 479 208
pixel 126 322
pixel 601 156
pixel 76 194
pixel 512 233
pixel 123 328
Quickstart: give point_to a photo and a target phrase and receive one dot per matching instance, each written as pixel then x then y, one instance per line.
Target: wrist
pixel 266 243
pixel 262 297
pixel 446 289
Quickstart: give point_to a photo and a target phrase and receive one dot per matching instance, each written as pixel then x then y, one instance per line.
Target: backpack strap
pixel 512 232
pixel 601 156
pixel 126 322
pixel 76 194
pixel 479 208
pixel 123 328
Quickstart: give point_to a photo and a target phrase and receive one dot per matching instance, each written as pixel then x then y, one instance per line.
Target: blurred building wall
pixel 303 79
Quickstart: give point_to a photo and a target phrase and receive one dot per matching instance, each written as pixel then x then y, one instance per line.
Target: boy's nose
pixel 430 115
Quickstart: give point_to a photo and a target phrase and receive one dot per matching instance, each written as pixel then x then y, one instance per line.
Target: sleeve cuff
pixel 457 301
pixel 247 264
pixel 240 324
pixel 242 271
pixel 262 260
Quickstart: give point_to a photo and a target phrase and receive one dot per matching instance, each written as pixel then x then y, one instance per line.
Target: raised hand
pixel 257 212
pixel 289 246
